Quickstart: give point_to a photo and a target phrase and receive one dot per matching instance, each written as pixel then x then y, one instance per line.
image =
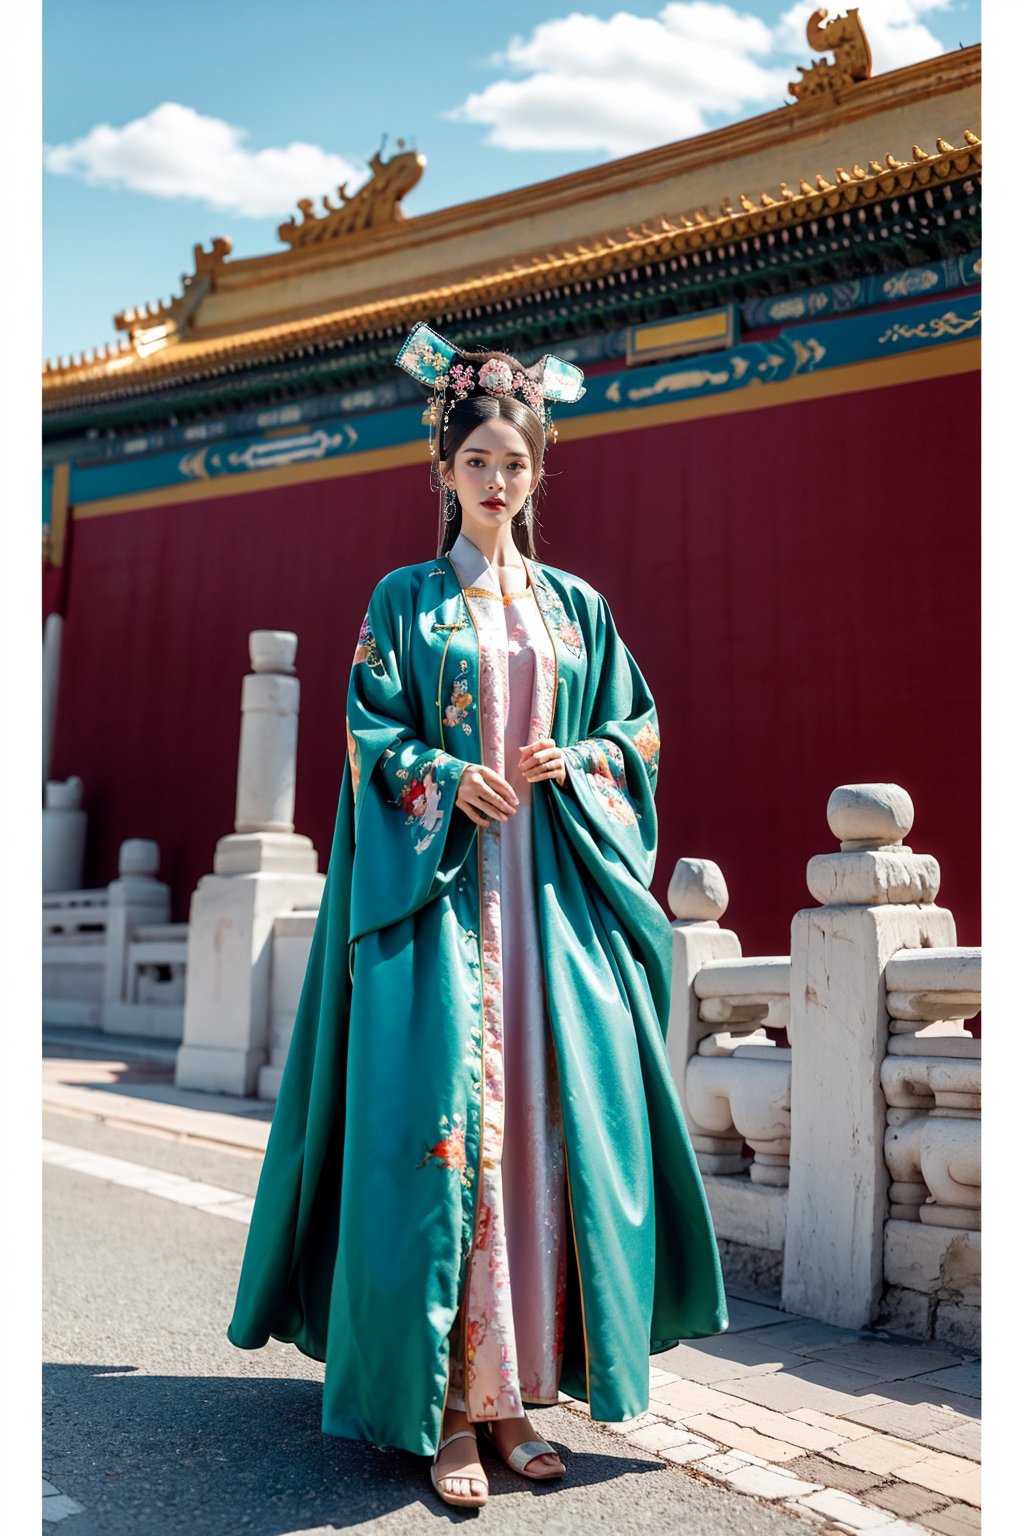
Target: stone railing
pixel 733 1081
pixel 931 1079
pixel 74 943
pixel 842 1168
pixel 111 960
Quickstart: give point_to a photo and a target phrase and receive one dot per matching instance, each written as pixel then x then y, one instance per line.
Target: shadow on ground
pixel 217 1456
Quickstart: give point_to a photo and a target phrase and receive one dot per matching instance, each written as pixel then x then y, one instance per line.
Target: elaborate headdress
pixel 454 376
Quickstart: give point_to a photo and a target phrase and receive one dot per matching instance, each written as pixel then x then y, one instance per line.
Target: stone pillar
pixel 877 897
pixel 52 634
pixel 135 897
pixel 265 795
pixel 263 868
pixel 64 824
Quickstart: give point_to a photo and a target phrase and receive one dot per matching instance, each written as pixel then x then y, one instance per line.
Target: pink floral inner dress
pixel 513 1306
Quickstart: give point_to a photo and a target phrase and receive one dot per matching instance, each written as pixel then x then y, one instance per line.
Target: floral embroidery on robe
pixel 559 623
pixel 421 782
pixel 460 702
pixel 368 651
pixel 603 763
pixel 353 757
pixel 420 799
pixel 648 744
pixel 450 1151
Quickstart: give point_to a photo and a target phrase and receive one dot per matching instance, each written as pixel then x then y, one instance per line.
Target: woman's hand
pixel 484 795
pixel 542 760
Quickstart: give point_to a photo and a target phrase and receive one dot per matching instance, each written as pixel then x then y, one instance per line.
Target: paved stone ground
pixel 780 1419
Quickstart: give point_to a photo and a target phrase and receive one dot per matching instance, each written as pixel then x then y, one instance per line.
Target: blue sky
pixel 163 126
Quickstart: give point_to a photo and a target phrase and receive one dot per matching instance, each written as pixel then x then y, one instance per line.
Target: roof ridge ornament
pixel 152 327
pixel 374 205
pixel 846 38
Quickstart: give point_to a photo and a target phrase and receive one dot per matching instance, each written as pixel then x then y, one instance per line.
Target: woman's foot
pixel 508 1433
pixel 457 1472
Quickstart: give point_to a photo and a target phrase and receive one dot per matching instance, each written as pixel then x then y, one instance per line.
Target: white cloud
pixel 630 82
pixel 895 33
pixel 176 152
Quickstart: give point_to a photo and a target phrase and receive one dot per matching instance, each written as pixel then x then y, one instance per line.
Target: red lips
pixel 493 501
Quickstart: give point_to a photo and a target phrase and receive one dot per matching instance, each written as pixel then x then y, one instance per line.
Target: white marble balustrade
pixel 870 1111
pixel 737 1084
pixel 931 1082
pixel 931 1079
pixel 732 1079
pixel 111 959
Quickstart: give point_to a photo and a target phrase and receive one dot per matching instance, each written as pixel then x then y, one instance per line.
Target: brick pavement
pixel 853 1431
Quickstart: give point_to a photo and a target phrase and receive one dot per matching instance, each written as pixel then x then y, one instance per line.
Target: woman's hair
pixel 465 417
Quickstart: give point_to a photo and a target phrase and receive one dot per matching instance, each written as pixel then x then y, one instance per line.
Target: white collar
pixel 473 567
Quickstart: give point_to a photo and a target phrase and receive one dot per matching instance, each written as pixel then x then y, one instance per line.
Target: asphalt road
pixel 157 1426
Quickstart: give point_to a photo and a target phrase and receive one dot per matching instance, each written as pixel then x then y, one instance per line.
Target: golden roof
pixel 362 267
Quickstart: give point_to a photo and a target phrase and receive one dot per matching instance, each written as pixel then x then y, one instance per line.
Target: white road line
pixel 169 1186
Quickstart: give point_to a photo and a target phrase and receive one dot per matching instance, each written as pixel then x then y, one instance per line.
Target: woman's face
pixel 491 474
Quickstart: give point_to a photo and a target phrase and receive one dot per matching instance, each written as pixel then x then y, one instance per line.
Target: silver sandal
pixel 524 1453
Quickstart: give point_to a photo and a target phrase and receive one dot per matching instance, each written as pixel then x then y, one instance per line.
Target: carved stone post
pixel 263 868
pixel 135 897
pixel 877 897
pixel 698 896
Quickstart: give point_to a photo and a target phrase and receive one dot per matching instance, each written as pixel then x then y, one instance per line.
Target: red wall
pixel 800 586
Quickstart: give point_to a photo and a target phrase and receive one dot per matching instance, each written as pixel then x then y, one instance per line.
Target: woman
pixel 478 1189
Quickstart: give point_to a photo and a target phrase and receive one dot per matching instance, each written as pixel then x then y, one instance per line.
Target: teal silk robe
pixel 364 1218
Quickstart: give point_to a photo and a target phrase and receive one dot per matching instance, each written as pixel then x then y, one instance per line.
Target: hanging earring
pixel 528 508
pixel 451 505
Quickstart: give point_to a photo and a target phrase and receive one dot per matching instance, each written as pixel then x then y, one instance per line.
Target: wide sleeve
pixel 410 840
pixel 613 769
